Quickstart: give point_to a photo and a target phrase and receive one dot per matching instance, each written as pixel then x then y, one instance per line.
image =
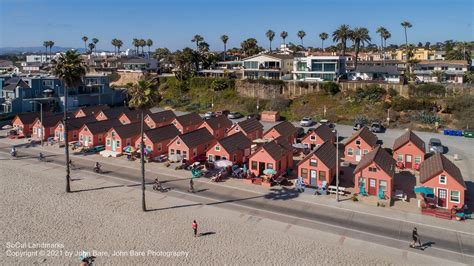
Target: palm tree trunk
pixel 225 49
pixel 322 45
pixel 356 55
pixel 270 46
pixel 142 161
pixel 85 47
pixel 66 144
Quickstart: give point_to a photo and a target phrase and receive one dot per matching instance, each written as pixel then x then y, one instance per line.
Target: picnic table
pixel 333 190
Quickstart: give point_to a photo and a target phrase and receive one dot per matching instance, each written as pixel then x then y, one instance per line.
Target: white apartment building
pixel 319 68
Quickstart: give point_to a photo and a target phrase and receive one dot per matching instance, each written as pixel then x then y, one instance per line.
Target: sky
pixel 173 23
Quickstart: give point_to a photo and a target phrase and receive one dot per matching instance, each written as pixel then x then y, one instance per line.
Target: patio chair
pixel 362 191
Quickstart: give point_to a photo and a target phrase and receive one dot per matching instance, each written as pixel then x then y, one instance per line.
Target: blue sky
pixel 172 23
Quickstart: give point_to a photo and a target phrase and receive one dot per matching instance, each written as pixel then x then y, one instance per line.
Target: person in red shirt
pixel 195 228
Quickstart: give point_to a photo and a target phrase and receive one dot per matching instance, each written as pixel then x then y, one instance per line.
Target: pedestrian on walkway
pixel 415 238
pixel 191 185
pixel 195 228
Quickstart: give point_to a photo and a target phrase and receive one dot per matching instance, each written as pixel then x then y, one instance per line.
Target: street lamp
pixel 41 119
pixel 337 165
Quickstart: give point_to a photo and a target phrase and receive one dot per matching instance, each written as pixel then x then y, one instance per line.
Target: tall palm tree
pixel 386 35
pixel 70 69
pixel 283 35
pixel 270 35
pixel 142 45
pixel 341 35
pixel 85 39
pixel 406 25
pixel 381 31
pixel 136 43
pixel 143 95
pixel 323 36
pixel 224 39
pixel 95 41
pixel 51 44
pixel 91 47
pixel 149 43
pixel 359 36
pixel 114 44
pixel 301 35
pixel 119 44
pixel 46 45
pixel 197 39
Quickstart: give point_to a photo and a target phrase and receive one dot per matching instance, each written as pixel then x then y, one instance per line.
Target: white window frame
pixel 417 158
pixel 400 158
pixel 459 196
pixel 445 180
pixel 217 148
pixel 364 152
pixel 312 138
pixel 350 152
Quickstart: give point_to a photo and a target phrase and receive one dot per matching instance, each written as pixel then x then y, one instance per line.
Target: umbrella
pixel 270 171
pixel 7 127
pixel 222 163
pixel 129 149
pixel 424 190
pixel 175 158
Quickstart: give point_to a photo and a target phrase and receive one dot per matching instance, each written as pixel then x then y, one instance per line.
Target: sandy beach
pixel 41 224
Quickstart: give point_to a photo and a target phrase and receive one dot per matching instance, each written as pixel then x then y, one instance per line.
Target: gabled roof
pixel 218 122
pixel 365 134
pixel 134 115
pixel 97 127
pixel 276 148
pixel 129 130
pixel 162 116
pixel 114 112
pixel 28 118
pixel 406 137
pixel 77 123
pixel 162 133
pixel 235 142
pixel 196 137
pixel 52 120
pixel 91 110
pixel 250 125
pixel 189 119
pixel 285 128
pixel 381 157
pixel 437 163
pixel 324 132
pixel 326 153
pixel 11 84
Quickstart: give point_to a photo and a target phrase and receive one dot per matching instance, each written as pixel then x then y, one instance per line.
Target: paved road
pixel 278 205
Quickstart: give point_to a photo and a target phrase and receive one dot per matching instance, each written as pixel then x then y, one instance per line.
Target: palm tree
pixel 323 36
pixel 224 39
pixel 119 44
pixel 46 45
pixel 197 39
pixel 301 35
pixel 270 35
pixel 142 45
pixel 359 36
pixel 51 44
pixel 283 35
pixel 143 95
pixel 149 43
pixel 114 44
pixel 85 39
pixel 386 35
pixel 341 35
pixel 70 69
pixel 136 43
pixel 381 31
pixel 405 25
pixel 95 41
pixel 91 47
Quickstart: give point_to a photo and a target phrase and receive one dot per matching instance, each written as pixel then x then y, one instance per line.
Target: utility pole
pixel 337 166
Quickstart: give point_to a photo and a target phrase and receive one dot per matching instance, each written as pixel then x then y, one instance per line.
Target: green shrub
pixel 427 118
pixel 279 104
pixel 392 92
pixel 402 104
pixel 331 88
pixel 426 90
pixel 114 77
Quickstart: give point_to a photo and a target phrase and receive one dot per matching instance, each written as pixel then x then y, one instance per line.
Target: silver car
pixel 306 122
pixel 436 146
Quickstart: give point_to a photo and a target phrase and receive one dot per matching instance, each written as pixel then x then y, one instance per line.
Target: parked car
pixel 256 116
pixel 300 132
pixel 306 122
pixel 376 127
pixel 435 145
pixel 327 122
pixel 358 126
pixel 209 115
pixel 234 115
pixel 222 112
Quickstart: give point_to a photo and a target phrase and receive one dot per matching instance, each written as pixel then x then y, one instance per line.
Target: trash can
pixel 468 133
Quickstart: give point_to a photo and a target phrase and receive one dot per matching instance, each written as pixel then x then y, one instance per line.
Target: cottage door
pixel 408 161
pixel 114 145
pixel 357 154
pixel 312 180
pixel 442 198
pixel 372 186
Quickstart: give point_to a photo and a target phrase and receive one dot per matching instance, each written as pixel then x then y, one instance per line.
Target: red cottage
pixel 23 123
pixel 284 129
pixel 159 119
pixel 119 137
pixel 251 128
pixel 235 148
pixel 217 126
pixel 191 144
pixel 445 178
pixel 157 139
pixel 74 126
pixel 112 113
pixel 359 144
pixel 93 133
pixel 319 165
pixel 188 122
pixel 132 116
pixel 409 150
pixel 318 136
pixel 49 124
pixel 276 154
pixel 89 110
pixel 374 175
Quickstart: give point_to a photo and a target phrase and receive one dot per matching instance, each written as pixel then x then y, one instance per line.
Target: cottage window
pixel 113 133
pixel 313 162
pixel 90 139
pixel 35 130
pixel 171 151
pixel 185 154
pixel 372 169
pixel 365 152
pixel 322 175
pixel 237 129
pixel 383 185
pixel 400 157
pixel 417 159
pixel 279 165
pixel 234 158
pixel 254 165
pixel 350 152
pixel 357 142
pixel 210 158
pixel 224 158
pixel 118 143
pixel 455 196
pixel 108 142
pixel 442 179
pixel 159 147
pixel 85 129
pixel 81 137
pixel 269 166
pixel 313 138
pixel 178 142
pixel 304 173
pixel 194 152
pixel 100 138
pixel 217 148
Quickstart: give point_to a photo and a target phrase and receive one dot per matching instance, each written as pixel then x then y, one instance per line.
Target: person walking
pixel 195 228
pixel 191 185
pixel 415 238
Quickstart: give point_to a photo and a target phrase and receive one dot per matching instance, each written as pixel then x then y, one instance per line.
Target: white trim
pixel 459 197
pixel 445 180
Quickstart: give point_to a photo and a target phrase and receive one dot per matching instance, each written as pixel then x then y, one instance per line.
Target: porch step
pixel 437 213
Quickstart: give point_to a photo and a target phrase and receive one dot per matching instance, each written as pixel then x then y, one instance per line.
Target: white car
pixel 306 122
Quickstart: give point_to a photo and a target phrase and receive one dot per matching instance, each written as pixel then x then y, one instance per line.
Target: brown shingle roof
pixel 434 165
pixel 219 122
pixel 365 134
pixel 235 142
pixel 285 128
pixel 162 116
pixel 129 130
pixel 196 137
pixel 102 126
pixel 134 115
pixel 381 157
pixel 276 148
pixel 92 110
pixel 326 153
pixel 77 123
pixel 162 133
pixel 115 112
pixel 52 120
pixel 189 119
pixel 250 125
pixel 28 118
pixel 406 137
pixel 324 132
